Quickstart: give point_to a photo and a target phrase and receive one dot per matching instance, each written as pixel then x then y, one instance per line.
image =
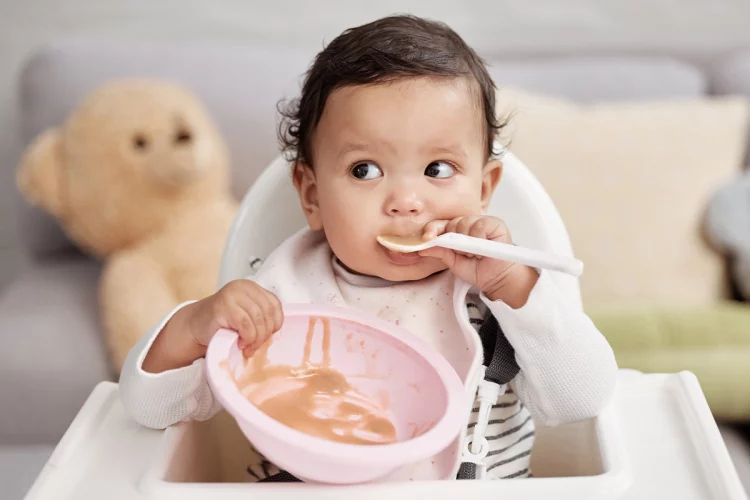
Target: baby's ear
pixel 39 174
pixel 307 189
pixel 491 175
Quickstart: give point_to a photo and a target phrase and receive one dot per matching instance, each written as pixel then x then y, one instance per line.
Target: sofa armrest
pixel 52 352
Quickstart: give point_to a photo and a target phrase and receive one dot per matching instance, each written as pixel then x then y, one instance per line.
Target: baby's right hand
pixel 243 306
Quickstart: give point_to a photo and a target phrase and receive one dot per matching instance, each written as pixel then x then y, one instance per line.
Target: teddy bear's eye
pixel 183 136
pixel 140 142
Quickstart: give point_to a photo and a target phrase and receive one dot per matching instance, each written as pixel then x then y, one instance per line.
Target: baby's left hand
pixel 499 280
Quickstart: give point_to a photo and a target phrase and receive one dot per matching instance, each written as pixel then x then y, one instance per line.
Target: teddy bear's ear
pixel 40 172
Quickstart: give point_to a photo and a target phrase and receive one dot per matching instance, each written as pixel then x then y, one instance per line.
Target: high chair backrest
pixel 270 213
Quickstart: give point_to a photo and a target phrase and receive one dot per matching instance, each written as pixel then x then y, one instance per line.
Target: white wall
pixel 701 27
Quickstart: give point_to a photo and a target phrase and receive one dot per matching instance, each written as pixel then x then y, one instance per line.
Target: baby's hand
pixel 241 305
pixel 499 280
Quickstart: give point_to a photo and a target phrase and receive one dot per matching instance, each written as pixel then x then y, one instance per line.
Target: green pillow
pixel 712 342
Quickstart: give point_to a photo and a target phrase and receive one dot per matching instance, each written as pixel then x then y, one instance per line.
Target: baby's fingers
pixel 491 228
pixel 240 321
pixel 277 312
pixel 461 225
pixel 435 252
pixel 258 312
pixel 265 310
pixel 433 229
pixel 272 315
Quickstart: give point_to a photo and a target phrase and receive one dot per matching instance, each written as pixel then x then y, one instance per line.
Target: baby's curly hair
pixel 385 50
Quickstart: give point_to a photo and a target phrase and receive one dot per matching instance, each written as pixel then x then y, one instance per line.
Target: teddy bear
pixel 727 226
pixel 138 176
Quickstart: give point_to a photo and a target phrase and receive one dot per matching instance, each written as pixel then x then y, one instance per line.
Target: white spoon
pixel 485 248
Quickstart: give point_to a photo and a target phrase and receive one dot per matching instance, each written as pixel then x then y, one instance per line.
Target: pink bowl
pixel 423 392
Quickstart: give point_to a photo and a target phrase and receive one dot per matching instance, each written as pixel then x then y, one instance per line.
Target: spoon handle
pixel 511 253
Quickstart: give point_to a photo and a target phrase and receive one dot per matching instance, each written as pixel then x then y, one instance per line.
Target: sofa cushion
pixel 631 181
pixel 731 76
pixel 19 467
pixel 710 341
pixel 613 78
pixel 52 352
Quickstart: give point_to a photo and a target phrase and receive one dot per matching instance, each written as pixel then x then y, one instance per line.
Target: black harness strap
pixel 500 367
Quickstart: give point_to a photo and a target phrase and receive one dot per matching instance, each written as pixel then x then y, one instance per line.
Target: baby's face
pixel 390 158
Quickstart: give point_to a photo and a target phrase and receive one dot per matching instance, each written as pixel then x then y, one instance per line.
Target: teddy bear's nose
pixel 183 137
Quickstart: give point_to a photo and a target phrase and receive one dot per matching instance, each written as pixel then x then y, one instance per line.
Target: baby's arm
pixel 568 369
pixel 158 400
pixel 163 379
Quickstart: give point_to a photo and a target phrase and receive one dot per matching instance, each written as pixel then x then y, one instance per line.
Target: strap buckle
pixel 476 458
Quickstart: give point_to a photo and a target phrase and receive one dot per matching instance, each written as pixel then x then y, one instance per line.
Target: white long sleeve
pixel 163 399
pixel 568 369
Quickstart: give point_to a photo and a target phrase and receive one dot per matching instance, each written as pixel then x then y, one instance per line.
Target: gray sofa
pixel 52 351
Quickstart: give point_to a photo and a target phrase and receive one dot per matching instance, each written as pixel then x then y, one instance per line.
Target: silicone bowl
pixel 426 398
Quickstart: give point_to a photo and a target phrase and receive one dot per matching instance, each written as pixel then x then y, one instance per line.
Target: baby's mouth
pixel 403 259
pixel 402 238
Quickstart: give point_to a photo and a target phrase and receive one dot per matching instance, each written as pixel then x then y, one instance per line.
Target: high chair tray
pixel 657 440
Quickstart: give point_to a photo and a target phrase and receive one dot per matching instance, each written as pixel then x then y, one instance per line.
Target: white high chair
pixel 657 439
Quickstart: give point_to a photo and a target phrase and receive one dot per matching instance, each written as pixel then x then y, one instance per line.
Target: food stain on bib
pixel 315 398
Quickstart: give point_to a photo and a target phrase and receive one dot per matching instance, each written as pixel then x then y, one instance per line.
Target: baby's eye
pixel 439 170
pixel 366 170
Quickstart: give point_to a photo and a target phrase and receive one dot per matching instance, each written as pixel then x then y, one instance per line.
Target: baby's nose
pixel 405 205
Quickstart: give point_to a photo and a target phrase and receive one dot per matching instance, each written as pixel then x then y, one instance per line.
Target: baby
pixel 393 135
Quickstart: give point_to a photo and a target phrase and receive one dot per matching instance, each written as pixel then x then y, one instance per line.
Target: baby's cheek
pixel 348 246
pixel 460 204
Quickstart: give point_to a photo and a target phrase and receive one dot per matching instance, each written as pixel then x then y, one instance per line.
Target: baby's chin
pixel 413 272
